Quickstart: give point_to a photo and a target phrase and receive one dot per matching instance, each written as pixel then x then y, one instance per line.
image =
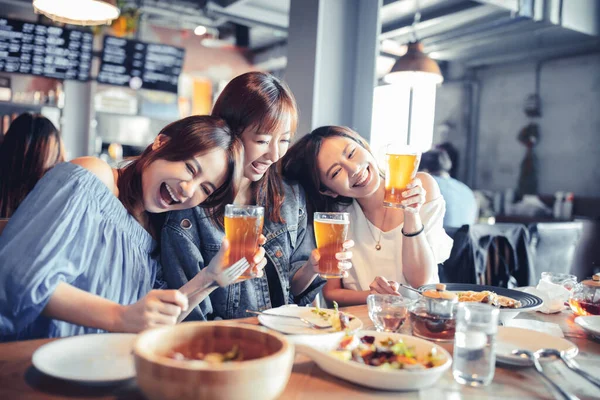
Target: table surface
pixel 19 379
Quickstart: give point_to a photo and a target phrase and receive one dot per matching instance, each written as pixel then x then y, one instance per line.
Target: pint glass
pixel 243 226
pixel 331 230
pixel 401 166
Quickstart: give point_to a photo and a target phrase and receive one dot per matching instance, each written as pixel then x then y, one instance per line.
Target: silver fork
pixel 225 278
pixel 307 322
pixel 571 364
pixel 536 363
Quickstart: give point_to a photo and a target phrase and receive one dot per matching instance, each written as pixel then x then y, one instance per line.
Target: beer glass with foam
pixel 331 230
pixel 401 166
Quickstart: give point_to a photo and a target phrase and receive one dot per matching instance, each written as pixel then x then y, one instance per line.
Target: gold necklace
pixel 377 241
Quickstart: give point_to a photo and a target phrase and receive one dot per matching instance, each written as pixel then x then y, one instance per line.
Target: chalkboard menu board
pixel 137 64
pixel 45 50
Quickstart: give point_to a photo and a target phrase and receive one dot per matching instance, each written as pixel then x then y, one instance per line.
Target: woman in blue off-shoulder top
pixel 79 255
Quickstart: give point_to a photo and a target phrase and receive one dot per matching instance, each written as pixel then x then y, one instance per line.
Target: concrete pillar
pixel 332 51
pixel 77 114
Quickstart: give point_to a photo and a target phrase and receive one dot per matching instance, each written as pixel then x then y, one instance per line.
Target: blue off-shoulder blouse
pixel 71 229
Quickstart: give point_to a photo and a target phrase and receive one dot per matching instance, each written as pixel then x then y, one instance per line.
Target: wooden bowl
pixel 262 374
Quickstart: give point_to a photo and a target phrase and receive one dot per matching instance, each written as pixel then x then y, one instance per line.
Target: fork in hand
pixel 225 277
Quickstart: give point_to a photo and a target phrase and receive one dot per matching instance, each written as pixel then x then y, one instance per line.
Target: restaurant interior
pixel 510 89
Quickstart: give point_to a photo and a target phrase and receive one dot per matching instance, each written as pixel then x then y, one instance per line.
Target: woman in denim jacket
pixel 262 111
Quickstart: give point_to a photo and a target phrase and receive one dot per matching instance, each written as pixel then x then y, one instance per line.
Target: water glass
pixel 475 344
pixel 388 312
pixel 567 281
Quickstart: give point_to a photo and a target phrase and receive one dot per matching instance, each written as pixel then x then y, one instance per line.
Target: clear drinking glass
pixel 401 166
pixel 243 226
pixel 331 230
pixel 475 344
pixel 387 311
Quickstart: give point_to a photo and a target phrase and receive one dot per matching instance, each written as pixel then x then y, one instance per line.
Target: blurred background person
pixel 31 146
pixel 461 206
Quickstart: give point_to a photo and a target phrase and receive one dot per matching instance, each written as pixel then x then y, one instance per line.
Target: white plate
pixel 374 377
pixel 297 327
pixel 510 339
pixel 590 323
pixel 88 358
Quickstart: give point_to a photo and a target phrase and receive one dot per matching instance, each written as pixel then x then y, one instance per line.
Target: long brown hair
pixel 300 165
pixel 263 103
pixel 189 137
pixel 26 154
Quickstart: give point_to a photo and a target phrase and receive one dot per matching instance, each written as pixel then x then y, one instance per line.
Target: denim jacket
pixel 189 240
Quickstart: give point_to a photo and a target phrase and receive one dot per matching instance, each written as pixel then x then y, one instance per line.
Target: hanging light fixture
pixel 78 12
pixel 415 66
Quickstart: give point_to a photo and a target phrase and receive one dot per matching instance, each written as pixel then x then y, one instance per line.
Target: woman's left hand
pixel 414 196
pixel 344 258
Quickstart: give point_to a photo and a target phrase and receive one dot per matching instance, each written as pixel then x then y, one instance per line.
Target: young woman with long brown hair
pixel 79 254
pixel 338 172
pixel 31 146
pixel 262 112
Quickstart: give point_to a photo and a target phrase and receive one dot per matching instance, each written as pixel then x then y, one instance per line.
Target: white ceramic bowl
pixel 375 377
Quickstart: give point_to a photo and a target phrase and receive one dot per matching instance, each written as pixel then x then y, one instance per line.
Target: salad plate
pixel 381 360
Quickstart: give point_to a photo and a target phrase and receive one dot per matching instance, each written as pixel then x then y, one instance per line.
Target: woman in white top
pixel 338 172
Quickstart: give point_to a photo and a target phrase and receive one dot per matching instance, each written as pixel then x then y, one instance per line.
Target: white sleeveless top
pixel 368 262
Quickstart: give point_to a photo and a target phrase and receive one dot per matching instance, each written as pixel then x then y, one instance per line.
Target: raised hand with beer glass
pixel 395 216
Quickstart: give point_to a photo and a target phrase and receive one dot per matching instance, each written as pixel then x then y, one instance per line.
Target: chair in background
pixel 497 255
pixel 553 246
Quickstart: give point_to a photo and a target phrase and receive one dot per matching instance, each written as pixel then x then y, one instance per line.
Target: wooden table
pixel 19 379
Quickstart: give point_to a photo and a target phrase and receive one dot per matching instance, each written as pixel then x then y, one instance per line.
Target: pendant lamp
pixel 78 12
pixel 414 67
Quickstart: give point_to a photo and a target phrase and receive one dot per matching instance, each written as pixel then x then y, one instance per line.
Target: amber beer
pixel 331 230
pixel 243 226
pixel 401 168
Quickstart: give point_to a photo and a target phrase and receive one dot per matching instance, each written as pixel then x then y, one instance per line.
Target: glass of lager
pixel 331 230
pixel 401 166
pixel 243 226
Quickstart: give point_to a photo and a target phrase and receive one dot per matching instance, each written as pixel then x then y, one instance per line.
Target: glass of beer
pixel 331 230
pixel 401 166
pixel 243 226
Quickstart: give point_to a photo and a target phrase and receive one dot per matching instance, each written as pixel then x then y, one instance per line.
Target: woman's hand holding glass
pixel 344 258
pixel 414 196
pixel 216 265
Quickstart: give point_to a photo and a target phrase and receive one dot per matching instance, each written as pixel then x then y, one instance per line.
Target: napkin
pixel 540 326
pixel 553 295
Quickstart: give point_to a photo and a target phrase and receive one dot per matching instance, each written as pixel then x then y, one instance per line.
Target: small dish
pixel 375 377
pixel 509 339
pixel 97 358
pixel 590 324
pixel 297 327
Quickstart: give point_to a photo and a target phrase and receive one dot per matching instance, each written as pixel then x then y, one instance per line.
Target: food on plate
pixel 386 354
pixel 339 320
pixel 213 358
pixel 488 297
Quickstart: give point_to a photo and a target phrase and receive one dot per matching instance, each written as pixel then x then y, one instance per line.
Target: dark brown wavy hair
pixel 26 154
pixel 189 137
pixel 300 165
pixel 263 103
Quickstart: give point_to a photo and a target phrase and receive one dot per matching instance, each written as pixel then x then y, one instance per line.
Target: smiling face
pixel 178 185
pixel 263 149
pixel 346 168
